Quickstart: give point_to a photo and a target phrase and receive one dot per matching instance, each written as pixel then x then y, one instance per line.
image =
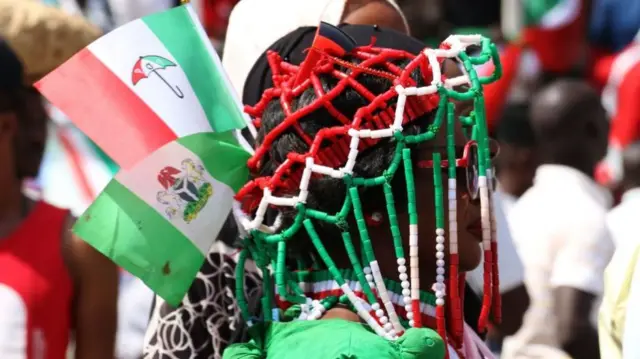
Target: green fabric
pixel 535 10
pixel 335 339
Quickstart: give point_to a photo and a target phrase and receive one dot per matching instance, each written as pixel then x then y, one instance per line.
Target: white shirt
pixel 134 308
pixel 559 228
pixel 622 220
pixel 511 270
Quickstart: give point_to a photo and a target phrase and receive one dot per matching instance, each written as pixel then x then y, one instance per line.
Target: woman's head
pixel 357 142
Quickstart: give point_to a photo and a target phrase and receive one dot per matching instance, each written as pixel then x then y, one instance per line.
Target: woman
pixel 317 190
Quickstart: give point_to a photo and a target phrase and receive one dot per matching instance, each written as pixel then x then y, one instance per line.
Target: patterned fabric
pixel 208 319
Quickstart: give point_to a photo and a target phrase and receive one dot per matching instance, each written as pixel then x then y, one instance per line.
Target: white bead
pixel 440 263
pixel 412 323
pixel 440 232
pixel 388 327
pixel 379 313
pixel 439 247
pixel 440 239
pixel 440 294
pixel 439 301
pixel 406 292
pixel 369 277
pixel 404 276
pixel 401 261
pixel 440 270
pixel 366 270
pixel 440 278
pixel 439 255
pixel 409 315
pixel 407 301
pixel 384 320
pixel 375 306
pixel 402 269
pixel 405 285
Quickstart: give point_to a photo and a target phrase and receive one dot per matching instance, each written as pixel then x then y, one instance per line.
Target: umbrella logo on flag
pixel 149 65
pixel 185 191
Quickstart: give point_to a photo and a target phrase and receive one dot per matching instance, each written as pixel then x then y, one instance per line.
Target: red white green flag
pixel 152 94
pixel 144 85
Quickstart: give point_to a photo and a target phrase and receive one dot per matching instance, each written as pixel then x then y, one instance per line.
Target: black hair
pixel 569 124
pixel 328 194
pixel 515 136
pixel 514 126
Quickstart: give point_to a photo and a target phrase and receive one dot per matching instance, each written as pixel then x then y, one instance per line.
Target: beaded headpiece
pixel 333 152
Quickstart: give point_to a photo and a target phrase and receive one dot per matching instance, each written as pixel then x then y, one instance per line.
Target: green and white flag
pixel 154 97
pixel 158 219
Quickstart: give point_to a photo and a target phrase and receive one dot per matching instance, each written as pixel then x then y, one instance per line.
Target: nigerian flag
pixel 153 96
pixel 158 219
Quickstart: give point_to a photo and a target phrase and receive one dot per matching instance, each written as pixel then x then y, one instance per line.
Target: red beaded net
pixel 378 115
pixel 331 151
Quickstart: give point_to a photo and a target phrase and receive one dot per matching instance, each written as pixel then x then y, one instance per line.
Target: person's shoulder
pixel 531 208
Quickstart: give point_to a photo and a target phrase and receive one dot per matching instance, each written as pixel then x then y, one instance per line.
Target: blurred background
pixel 592 42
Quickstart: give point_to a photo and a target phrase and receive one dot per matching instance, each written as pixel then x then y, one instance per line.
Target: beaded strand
pixel 455 302
pixel 333 152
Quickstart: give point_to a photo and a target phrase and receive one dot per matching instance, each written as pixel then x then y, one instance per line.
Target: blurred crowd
pixel 566 115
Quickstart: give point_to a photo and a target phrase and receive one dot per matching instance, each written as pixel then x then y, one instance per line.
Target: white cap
pixel 256 24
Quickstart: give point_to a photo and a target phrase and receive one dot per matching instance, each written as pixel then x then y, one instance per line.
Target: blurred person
pixel 620 220
pixel 619 320
pixel 516 163
pixel 515 166
pixel 613 24
pixel 42 36
pixel 618 75
pixel 51 283
pixel 255 24
pixel 559 226
pixel 134 307
pixel 214 15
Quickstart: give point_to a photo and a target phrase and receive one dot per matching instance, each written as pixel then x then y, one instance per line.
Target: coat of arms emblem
pixel 185 190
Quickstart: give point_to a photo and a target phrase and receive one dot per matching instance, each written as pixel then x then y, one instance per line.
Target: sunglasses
pixel 467 169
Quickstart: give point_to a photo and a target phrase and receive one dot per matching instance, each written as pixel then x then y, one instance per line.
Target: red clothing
pixel 558 48
pixel 35 288
pixel 215 16
pixel 618 76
